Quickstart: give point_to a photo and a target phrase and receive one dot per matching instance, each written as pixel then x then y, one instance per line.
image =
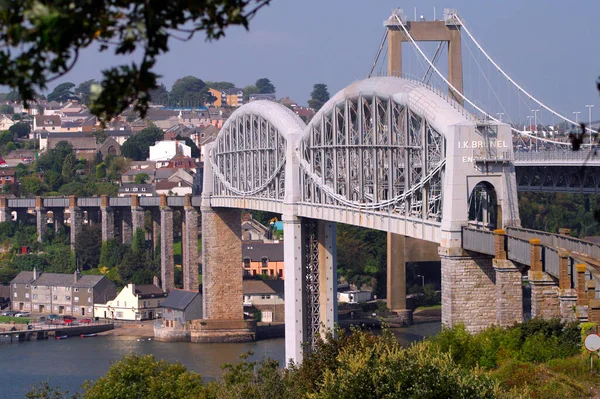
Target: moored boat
pixel 88 335
pixel 61 336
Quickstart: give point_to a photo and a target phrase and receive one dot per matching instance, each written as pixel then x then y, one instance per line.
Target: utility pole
pixel 589 107
pixel 535 111
pixel 500 116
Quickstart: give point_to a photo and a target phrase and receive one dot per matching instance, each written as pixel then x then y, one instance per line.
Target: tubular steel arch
pixel 249 154
pixel 370 151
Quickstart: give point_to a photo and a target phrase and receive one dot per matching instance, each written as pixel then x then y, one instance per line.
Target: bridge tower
pixel 447 30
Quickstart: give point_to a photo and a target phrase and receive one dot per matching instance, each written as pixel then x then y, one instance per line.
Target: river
pixel 68 363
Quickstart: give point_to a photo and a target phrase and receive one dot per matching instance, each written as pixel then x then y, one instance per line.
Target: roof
pixel 57 280
pixel 148 290
pixel 257 250
pixel 179 299
pixel 167 185
pixel 254 287
pixel 47 120
pixel 23 278
pixel 233 91
pixel 165 173
pixel 129 187
pixel 6 172
pixel 78 143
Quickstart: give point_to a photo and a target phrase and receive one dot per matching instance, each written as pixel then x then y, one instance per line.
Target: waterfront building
pixel 59 293
pixel 265 296
pixel 134 302
pixel 177 310
pixel 266 258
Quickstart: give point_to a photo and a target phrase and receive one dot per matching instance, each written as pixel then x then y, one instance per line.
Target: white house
pixel 167 149
pixel 6 122
pixel 266 296
pixel 134 302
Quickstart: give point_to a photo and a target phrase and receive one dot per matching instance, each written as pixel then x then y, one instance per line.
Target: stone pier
pixel 544 288
pixel 167 263
pixel 5 213
pixel 137 215
pixel 189 245
pixel 468 289
pixel 76 219
pixel 41 214
pixel 126 226
pixel 223 315
pixel 58 216
pixel 108 219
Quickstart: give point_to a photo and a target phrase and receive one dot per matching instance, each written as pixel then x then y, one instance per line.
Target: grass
pixel 17 320
pixel 427 308
pixel 177 247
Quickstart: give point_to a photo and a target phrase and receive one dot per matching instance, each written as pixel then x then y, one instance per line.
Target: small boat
pixel 62 336
pixel 88 335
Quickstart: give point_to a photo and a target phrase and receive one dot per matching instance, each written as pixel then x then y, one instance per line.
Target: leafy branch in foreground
pixel 40 41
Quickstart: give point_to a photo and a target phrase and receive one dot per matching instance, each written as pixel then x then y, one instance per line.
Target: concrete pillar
pixel 327 276
pixel 189 246
pixel 395 52
pixel 5 212
pixel 535 255
pixel 41 214
pixel 155 227
pixel 58 216
pixel 294 288
pixel 582 299
pixel 468 289
pixel 396 276
pixel 108 219
pixel 76 219
pixel 568 304
pixel 544 295
pixel 137 215
pixel 564 280
pixel 509 293
pixel 167 265
pixel 221 256
pixel 590 285
pixel 499 244
pixel 126 225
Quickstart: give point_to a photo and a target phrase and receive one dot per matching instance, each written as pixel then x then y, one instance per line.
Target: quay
pixel 45 331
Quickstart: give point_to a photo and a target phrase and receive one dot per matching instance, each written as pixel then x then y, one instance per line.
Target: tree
pixel 249 90
pixel 88 246
pixel 190 91
pixel 62 93
pixel 6 109
pixel 44 41
pixel 68 167
pixel 101 170
pixel 84 91
pixel 220 85
pixel 160 95
pixel 319 96
pixel 264 86
pixel 138 147
pixel 31 185
pixel 20 130
pixel 141 178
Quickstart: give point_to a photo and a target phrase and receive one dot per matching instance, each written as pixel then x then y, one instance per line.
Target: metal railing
pixel 550 261
pixel 547 156
pixel 568 243
pixel 478 240
pixel 519 250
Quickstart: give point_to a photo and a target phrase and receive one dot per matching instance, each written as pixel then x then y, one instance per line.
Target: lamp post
pixel 589 107
pixel 422 280
pixel 577 117
pixel 500 116
pixel 535 111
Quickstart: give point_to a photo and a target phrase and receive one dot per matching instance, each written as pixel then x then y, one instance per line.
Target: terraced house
pixel 58 293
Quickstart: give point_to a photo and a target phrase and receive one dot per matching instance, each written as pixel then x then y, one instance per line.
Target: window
pixel 265 262
pixel 34 296
pixel 246 262
pixel 125 304
pixel 264 272
pixel 68 308
pixel 26 285
pixel 135 189
pixel 144 303
pixel 15 285
pixel 15 295
pixel 53 288
pixel 68 298
pixel 35 287
pixel 55 297
pixel 76 289
pixel 89 310
pixel 55 307
pixel 47 297
pixel 35 306
pixel 68 289
pixel 27 295
pixel 127 189
pixel 143 188
pixel 90 299
pixel 266 297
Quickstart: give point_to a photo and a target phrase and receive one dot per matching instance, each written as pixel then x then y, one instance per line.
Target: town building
pixel 234 97
pixel 264 258
pixel 163 151
pixel 141 190
pixel 134 302
pixel 59 293
pixel 6 122
pixel 263 96
pixel 7 176
pixel 177 310
pixel 266 296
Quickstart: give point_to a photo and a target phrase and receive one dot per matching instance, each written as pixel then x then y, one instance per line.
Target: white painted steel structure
pixel 385 153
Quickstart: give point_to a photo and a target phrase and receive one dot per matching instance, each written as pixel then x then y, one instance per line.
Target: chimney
pixel 155 281
pixel 76 276
pixel 35 275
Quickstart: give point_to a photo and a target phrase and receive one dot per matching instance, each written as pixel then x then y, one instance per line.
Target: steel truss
pixel 311 276
pixel 248 159
pixel 370 152
pixel 574 179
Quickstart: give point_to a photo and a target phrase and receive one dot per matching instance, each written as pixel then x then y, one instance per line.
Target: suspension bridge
pixel 414 159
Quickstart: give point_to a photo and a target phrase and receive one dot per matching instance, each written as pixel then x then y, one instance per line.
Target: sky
pixel 550 47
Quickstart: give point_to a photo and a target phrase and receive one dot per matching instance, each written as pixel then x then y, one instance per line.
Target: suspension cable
pixel 385 35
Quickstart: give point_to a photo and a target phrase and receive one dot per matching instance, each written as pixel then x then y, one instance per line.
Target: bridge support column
pixel 41 214
pixel 126 226
pixel 509 285
pixel 108 219
pixel 223 313
pixel 167 264
pixel 567 297
pixel 396 276
pixel 295 290
pixel 327 276
pixel 468 289
pixel 5 212
pixel 76 220
pixel 58 216
pixel 137 215
pixel 155 229
pixel 189 242
pixel 582 299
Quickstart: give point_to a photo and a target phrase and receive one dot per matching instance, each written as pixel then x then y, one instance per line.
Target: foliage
pixel 84 91
pixel 62 93
pixel 6 109
pixel 248 90
pixel 137 264
pixel 159 95
pixel 190 91
pixel 137 147
pixel 319 96
pixel 141 178
pixel 88 246
pixel 220 85
pixel 264 86
pixel 143 377
pixel 20 130
pixel 42 41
